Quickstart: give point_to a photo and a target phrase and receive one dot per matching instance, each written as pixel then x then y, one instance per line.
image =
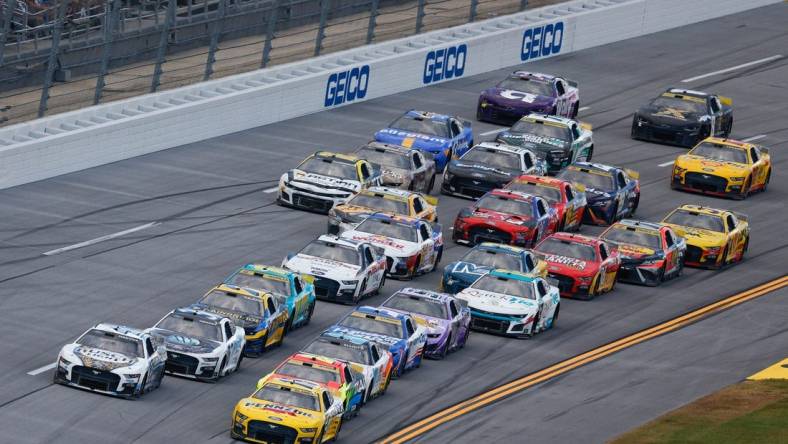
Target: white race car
pixel 412 246
pixel 512 303
pixel 200 345
pixel 344 270
pixel 113 360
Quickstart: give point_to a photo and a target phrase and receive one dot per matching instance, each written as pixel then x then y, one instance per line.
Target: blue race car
pixel 294 291
pixel 485 257
pixel 398 332
pixel 612 193
pixel 438 134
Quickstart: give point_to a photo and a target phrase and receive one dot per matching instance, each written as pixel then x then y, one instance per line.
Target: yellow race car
pixel 714 238
pixel 288 411
pixel 723 167
pixel 393 201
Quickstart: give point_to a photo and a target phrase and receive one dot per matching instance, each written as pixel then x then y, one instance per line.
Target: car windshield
pixel 190 327
pixel 421 125
pixel 380 203
pixel 502 285
pixel 643 238
pixel 492 157
pixel 417 305
pixel 542 130
pixel 663 103
pixel 233 302
pixel 370 324
pixel 550 194
pixel 596 181
pixel 329 167
pixel 308 372
pixel 505 205
pixel 389 229
pixel 258 281
pixel 575 250
pixel 385 158
pixel 357 354
pixel 493 259
pixel 334 252
pixel 112 342
pixel 275 394
pixel 722 153
pixel 530 86
pixel 696 220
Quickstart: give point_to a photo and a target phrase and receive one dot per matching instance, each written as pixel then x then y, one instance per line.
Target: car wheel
pixel 535 239
pixel 401 367
pixel 445 350
pixel 431 185
pixel 386 384
pixel 766 182
pixel 633 134
pixel 745 189
pixel 555 315
pixel 613 215
pixel 593 291
pixel 575 110
pixel 238 363
pixel 437 260
pixel 590 153
pixel 660 277
pixel 479 113
pixel 722 261
pixel 220 373
pixel 416 268
pixel 309 313
pixel 635 205
pixel 382 283
pixel 289 323
pixel 729 128
pixel 141 390
pixel 534 326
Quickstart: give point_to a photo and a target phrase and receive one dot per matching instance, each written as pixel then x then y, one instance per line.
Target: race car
pixel 584 267
pixel 556 140
pixel 288 410
pixel 612 193
pixel 112 360
pixel 510 303
pixel 200 345
pixel 412 246
pixel 401 167
pixel 446 318
pixel 568 200
pixel 715 238
pixel 439 135
pixel 381 200
pixel 683 117
pixel 527 92
pixel 293 291
pixel 262 319
pixel 487 166
pixel 507 217
pixel 723 167
pixel 343 270
pixel 487 256
pixel 373 362
pixel 404 338
pixel 344 383
pixel 650 253
pixel 325 179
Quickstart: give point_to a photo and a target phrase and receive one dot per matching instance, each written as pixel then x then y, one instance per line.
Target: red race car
pixel 568 200
pixel 506 217
pixel 583 266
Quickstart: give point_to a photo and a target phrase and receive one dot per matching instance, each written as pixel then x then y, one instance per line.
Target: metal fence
pixel 77 53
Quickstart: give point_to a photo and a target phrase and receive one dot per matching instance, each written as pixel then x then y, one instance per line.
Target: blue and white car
pixel 512 304
pixel 398 332
pixel 485 257
pixel 440 135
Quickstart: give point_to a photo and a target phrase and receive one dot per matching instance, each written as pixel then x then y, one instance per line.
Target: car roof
pixel 197 313
pixel 423 293
pixel 427 115
pixel 579 238
pixel 511 194
pixel 688 92
pixel 703 210
pixel 499 146
pixel 347 158
pixel 730 143
pixel 378 311
pixel 594 166
pixel 241 291
pixel 548 119
pixel 325 361
pixel 344 339
pixel 405 220
pixel 296 383
pixel 390 193
pixel 386 147
pixel 509 274
pixel 543 180
pixel 120 329
pixel 334 239
pixel 534 75
pixel 500 247
pixel 639 223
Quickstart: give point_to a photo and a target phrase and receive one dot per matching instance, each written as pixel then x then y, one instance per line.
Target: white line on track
pixel 40 370
pixel 100 239
pixel 583 108
pixel 271 190
pixel 750 139
pixel 734 68
pixel 665 164
pixel 495 131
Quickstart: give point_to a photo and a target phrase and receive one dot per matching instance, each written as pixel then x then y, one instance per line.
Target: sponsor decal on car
pixel 568 261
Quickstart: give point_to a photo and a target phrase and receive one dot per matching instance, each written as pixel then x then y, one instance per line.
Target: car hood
pixel 568 265
pixel 391 175
pixel 700 237
pixel 318 266
pixel 632 251
pixel 186 344
pixel 540 145
pixel 383 340
pixel 516 99
pixel 467 271
pixel 327 182
pixel 497 217
pixel 99 359
pixel 497 302
pixel 393 247
pixel 278 413
pixel 703 164
pixel 245 320
pixel 356 210
pixel 668 115
pixel 412 140
pixel 482 171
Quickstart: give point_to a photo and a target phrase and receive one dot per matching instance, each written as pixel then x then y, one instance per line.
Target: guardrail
pixel 110 132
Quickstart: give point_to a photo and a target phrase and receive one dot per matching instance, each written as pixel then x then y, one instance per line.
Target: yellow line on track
pixel 423 426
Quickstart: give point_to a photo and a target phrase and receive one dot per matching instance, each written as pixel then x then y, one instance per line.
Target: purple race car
pixel 446 318
pixel 527 92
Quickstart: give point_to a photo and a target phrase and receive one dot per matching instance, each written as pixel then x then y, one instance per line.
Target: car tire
pixel 745 189
pixel 575 110
pixel 722 261
pixel 385 385
pixel 289 323
pixel 555 316
pixel 138 393
pixel 309 313
pixel 479 113
pixel 238 363
pixel 401 367
pixel 535 239
pixel 382 283
pixel 633 133
pixel 534 325
pixel 415 271
pixel 729 128
pixel 437 260
pixel 220 373
pixel 590 153
pixel 766 182
pixel 431 185
pixel 613 215
pixel 635 205
pixel 446 349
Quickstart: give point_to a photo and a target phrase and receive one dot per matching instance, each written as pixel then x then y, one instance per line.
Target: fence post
pixel 419 16
pixel 54 52
pixel 474 5
pixel 373 15
pixel 269 33
pixel 218 25
pixel 110 21
pixel 162 52
pixel 8 17
pixel 321 31
pixel 523 5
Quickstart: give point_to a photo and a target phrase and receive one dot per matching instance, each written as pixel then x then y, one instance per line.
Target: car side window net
pixel 569 194
pixel 453 308
pixel 754 155
pixel 417 160
pixel 228 331
pixel 298 287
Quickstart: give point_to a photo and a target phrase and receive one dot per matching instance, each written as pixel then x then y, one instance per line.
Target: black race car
pixel 683 117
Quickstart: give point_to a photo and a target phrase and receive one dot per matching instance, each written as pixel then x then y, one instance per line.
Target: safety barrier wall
pixel 120 130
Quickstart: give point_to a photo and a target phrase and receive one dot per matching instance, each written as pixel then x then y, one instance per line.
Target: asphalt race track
pixel 211 216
